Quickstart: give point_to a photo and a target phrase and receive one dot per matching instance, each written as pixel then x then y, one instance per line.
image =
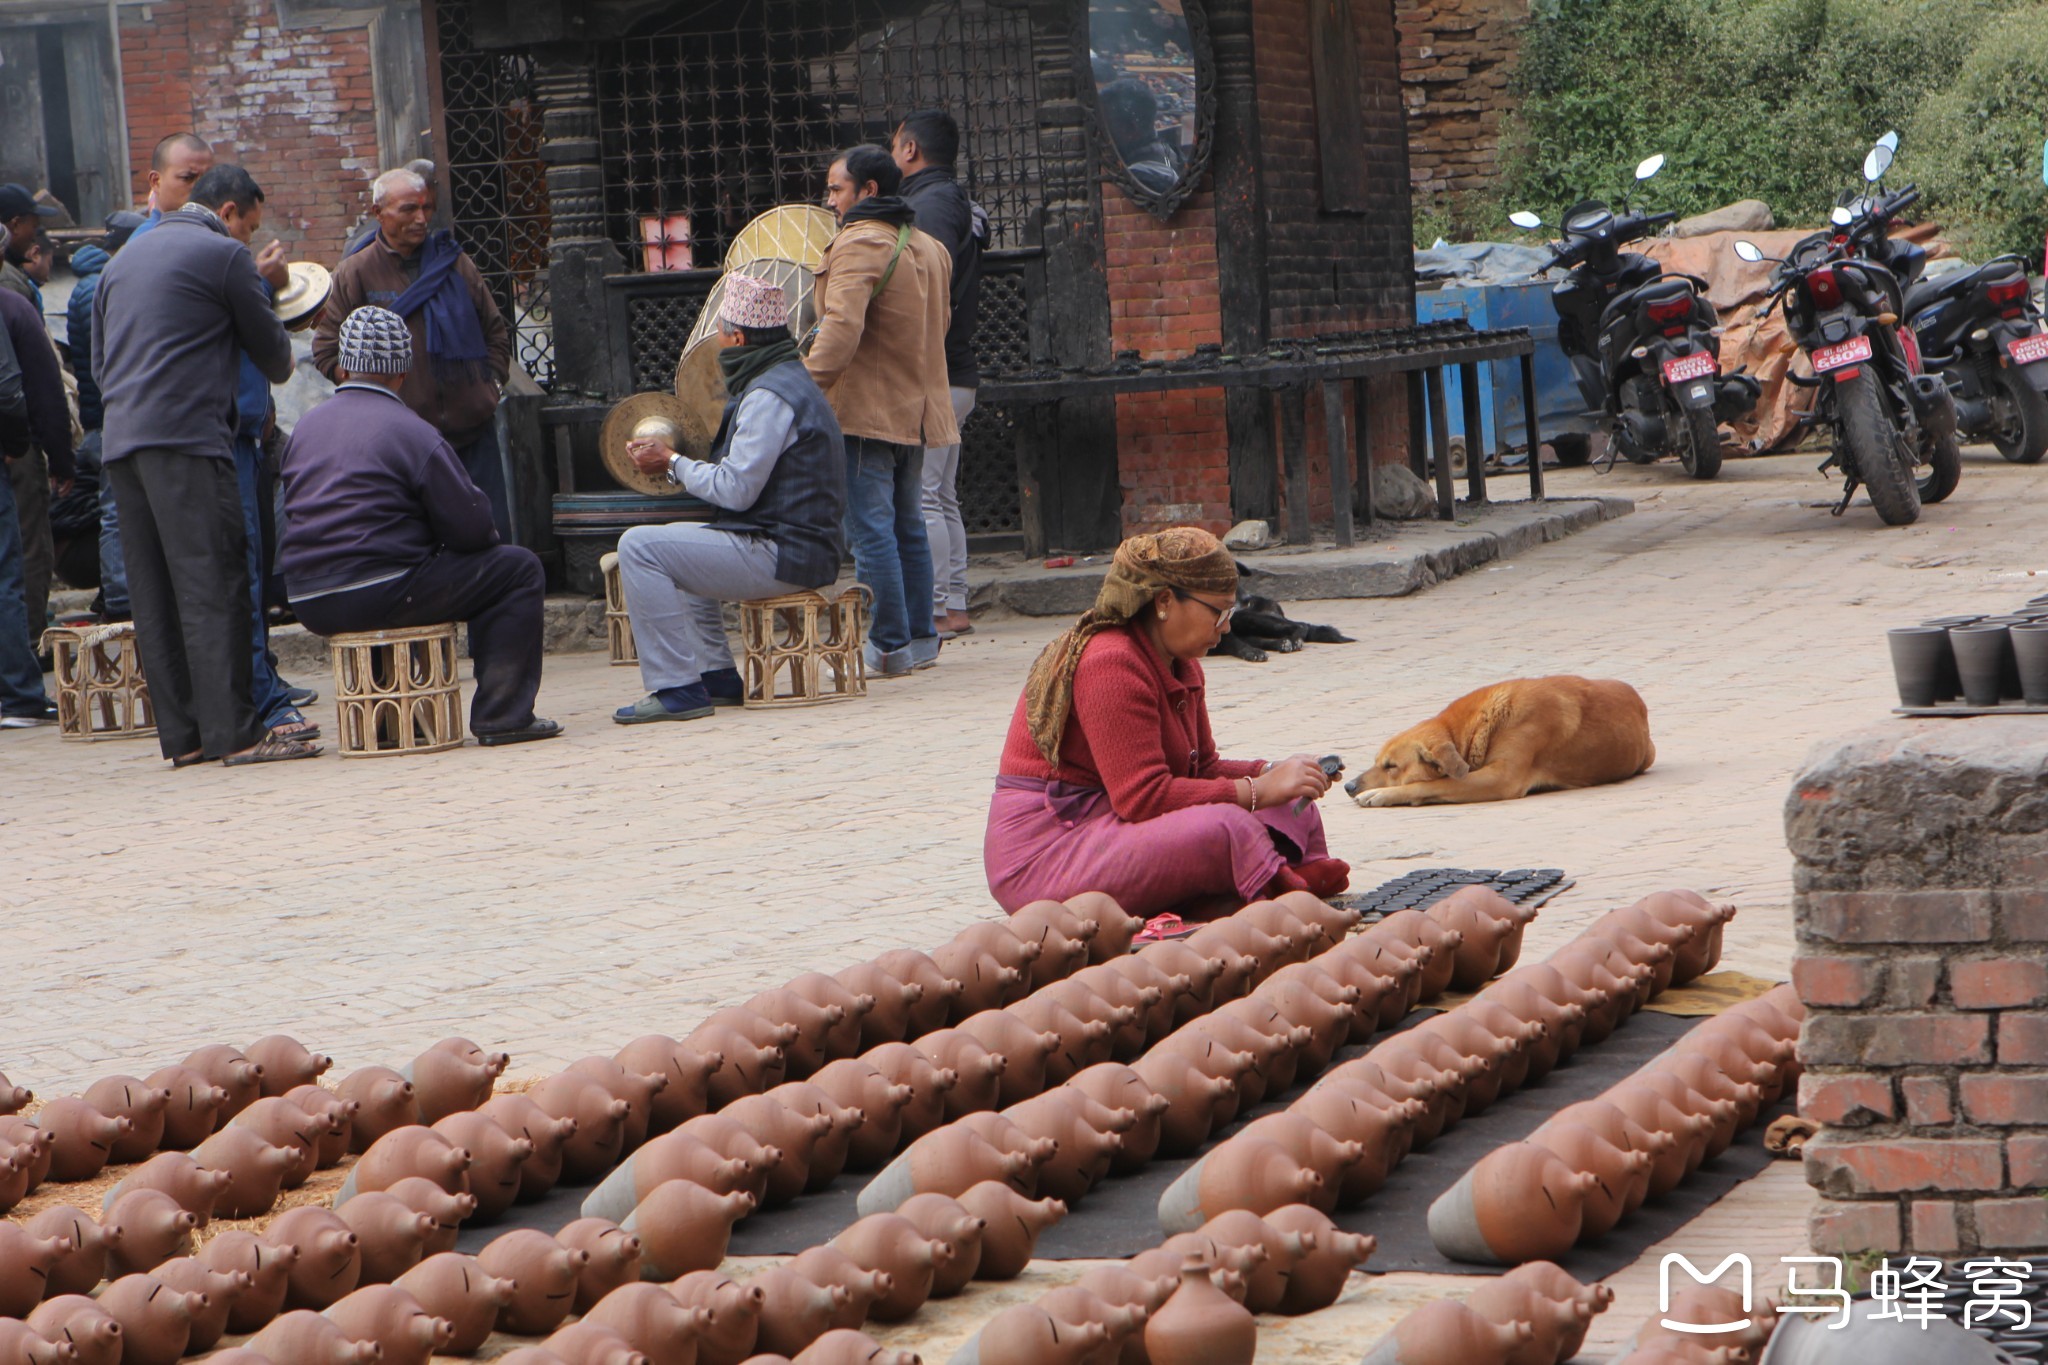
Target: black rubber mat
pixel 1424 887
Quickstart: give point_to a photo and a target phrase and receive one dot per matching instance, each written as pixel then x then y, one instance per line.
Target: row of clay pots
pixel 1747 1331
pixel 1591 1165
pixel 1337 1144
pixel 1535 1314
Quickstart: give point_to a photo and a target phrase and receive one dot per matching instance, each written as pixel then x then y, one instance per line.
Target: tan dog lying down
pixel 1513 738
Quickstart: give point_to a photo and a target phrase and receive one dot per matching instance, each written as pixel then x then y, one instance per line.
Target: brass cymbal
pixel 652 414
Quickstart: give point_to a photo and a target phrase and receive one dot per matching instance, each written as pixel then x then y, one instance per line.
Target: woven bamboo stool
pixel 618 626
pixel 804 648
pixel 397 691
pixel 101 693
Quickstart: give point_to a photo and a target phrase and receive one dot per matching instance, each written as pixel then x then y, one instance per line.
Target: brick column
pixel 1921 907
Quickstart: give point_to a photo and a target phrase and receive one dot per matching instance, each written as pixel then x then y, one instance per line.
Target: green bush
pixel 1778 100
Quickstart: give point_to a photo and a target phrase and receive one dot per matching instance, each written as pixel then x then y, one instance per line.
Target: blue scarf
pixel 455 334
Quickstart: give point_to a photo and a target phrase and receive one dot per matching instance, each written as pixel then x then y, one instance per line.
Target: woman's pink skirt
pixel 1052 841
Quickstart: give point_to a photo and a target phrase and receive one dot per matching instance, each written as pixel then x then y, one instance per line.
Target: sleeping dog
pixel 1259 625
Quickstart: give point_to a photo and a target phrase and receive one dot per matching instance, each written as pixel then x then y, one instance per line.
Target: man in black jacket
pixel 32 413
pixel 175 312
pixel 926 146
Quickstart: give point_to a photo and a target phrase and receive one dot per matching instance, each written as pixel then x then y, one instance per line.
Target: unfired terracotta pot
pixel 521 1117
pixel 1446 1332
pixel 1128 1005
pixel 141 1104
pixel 80 1267
pixel 794 1311
pixel 282 1123
pixel 195 1187
pixel 1266 1280
pixel 1116 1087
pixel 287 1063
pixel 889 1020
pixel 1114 928
pixel 455 1086
pixel 653 1320
pixel 1024 1050
pixel 1027 1334
pixel 688 1072
pixel 843 1039
pixel 1320 1271
pixel 857 1085
pixel 977 1072
pixel 395 1320
pixel 234 1073
pixel 986 980
pixel 936 1006
pixel 891 1243
pixel 614 1258
pixel 1200 1325
pixel 269 1270
pixel 144 1228
pixel 1376 1127
pixel 833 1268
pixel 1517 1203
pixel 1441 941
pixel 797 1135
pixel 414 1150
pixel 256 1170
pixel 1202 970
pixel 1012 1225
pixel 684 1227
pixel 1193 1088
pixel 929 1080
pixel 82 1138
pixel 156 1320
pixel 674 1156
pixel 391 1236
pixel 92 1332
pixel 387 1103
pixel 815 1024
pixel 497 1159
pixel 26 1261
pixel 1557 1307
pixel 1622 1178
pixel 306 1338
pixel 852 1348
pixel 330 1260
pixel 1253 1173
pixel 459 1289
pixel 638 1089
pixel 600 1135
pixel 1082 1041
pixel 586 1343
pixel 449 1211
pixel 733 1310
pixel 19 1341
pixel 746 1067
pixel 543 1273
pixel 945 1219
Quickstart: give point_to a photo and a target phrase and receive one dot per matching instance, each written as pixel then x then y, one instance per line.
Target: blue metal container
pixel 1559 407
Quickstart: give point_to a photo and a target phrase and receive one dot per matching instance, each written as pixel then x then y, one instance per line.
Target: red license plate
pixel 2027 350
pixel 1835 357
pixel 1680 368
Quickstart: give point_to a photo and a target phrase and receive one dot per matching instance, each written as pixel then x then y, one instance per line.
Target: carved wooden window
pixel 1340 116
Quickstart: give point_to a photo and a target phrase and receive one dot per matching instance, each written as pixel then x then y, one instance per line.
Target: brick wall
pixel 1456 60
pixel 293 105
pixel 1922 917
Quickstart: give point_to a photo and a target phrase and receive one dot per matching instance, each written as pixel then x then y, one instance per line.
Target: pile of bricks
pixel 1922 917
pixel 1457 62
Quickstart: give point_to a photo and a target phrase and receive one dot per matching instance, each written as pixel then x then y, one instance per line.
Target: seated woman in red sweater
pixel 1110 780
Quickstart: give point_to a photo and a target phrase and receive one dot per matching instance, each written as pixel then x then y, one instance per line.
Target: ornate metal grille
pixel 496 183
pixel 728 112
pixel 657 326
pixel 989 500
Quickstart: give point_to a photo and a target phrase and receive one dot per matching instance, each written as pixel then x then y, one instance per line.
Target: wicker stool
pixel 101 693
pixel 804 648
pixel 397 691
pixel 618 627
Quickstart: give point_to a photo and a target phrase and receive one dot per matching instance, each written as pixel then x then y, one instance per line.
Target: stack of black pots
pixel 1981 662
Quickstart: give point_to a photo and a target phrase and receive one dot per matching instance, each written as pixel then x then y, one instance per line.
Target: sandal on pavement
pixel 191 760
pixel 533 729
pixel 301 696
pixel 290 724
pixel 272 751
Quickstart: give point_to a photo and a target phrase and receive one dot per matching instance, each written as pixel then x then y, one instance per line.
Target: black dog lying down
pixel 1259 625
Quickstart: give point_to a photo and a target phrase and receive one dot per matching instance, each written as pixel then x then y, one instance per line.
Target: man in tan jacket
pixel 880 357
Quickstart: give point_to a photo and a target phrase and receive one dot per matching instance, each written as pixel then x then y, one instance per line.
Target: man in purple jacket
pixel 384 529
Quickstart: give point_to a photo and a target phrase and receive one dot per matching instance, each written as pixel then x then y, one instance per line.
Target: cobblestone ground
pixel 558 899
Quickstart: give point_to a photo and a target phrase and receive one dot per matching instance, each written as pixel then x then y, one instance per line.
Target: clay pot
pixel 13 1098
pixel 1011 1227
pixel 1083 1151
pixel 888 1018
pixel 892 1244
pixel 543 1273
pixel 1244 1173
pixel 1114 929
pixel 286 1063
pixel 1200 1325
pixel 1625 1135
pixel 91 1331
pixel 234 1073
pixel 307 1338
pixel 1329 1256
pixel 283 1124
pixel 1446 1332
pixel 1250 1056
pixel 651 1318
pixel 1517 1203
pixel 144 1228
pixel 338 1114
pixel 857 1085
pixel 1707 1075
pixel 637 1089
pixel 732 1315
pixel 1559 1022
pixel 1060 955
pixel 1131 1006
pixel 1203 971
pixel 794 1311
pixel 1689 1132
pixel 983 956
pixel 1557 1308
pixel 330 1260
pixel 195 1188
pixel 1116 1086
pixel 26 1261
pixel 388 1103
pixel 391 1236
pixel 677 1156
pixel 600 1134
pixel 521 1117
pixel 141 1105
pixel 22 1343
pixel 156 1320
pixel 1116 1283
pixel 1280 920
pixel 746 1067
pixel 496 1159
pixel 1268 952
pixel 815 1024
pixel 449 1211
pixel 81 1265
pixel 852 1348
pixel 586 1343
pixel 844 1038
pixel 930 1081
pixel 1379 1130
pixel 684 1227
pixel 733 1140
pixel 1193 1087
pixel 1266 1284
pixel 525 1355
pixel 1007 1137
pixel 255 1168
pixel 1029 1334
pixel 1087 1034
pixel 688 1072
pixel 396 1321
pixel 614 1258
pixel 267 1267
pixel 458 1289
pixel 1700 952
pixel 14 1174
pixel 415 1150
pixel 938 1004
pixel 1023 1048
pixel 796 1135
pixel 1475 912
pixel 1721 1114
pixel 452 1076
pixel 976 1068
pixel 1622 1178
pixel 829 1153
pixel 943 1218
pixel 828 1265
pixel 1298 1001
pixel 1441 941
pixel 22 1140
pixel 82 1138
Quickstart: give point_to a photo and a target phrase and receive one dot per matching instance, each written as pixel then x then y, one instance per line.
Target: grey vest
pixel 803 504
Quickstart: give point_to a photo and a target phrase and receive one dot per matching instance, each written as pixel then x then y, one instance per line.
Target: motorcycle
pixel 1644 344
pixel 1889 417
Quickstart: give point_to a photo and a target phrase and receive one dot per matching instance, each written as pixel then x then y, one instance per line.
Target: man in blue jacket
pixel 384 528
pixel 87 263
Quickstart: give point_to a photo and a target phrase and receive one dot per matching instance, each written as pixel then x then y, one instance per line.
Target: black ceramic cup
pixel 1981 653
pixel 2030 649
pixel 1918 655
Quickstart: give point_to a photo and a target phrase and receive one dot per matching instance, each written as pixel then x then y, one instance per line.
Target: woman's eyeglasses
pixel 1223 614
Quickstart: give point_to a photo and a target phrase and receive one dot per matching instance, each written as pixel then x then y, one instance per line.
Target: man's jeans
pixel 676 577
pixel 21 681
pixel 891 552
pixel 942 520
pixel 266 689
pixel 113 568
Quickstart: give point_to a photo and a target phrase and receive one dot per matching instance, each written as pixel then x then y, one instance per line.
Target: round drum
pixel 700 384
pixel 794 232
pixel 799 285
pixel 653 414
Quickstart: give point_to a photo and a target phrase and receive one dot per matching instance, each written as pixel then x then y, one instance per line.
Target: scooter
pixel 1644 344
pixel 1842 307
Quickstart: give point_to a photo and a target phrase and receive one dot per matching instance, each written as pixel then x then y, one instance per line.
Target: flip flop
pixel 272 751
pixel 1161 929
pixel 290 724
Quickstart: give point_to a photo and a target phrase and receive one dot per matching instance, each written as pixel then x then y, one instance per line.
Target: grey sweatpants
pixel 675 577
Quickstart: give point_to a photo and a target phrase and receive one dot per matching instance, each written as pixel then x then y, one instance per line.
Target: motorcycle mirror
pixel 1877 163
pixel 1841 217
pixel 2044 163
pixel 1650 167
pixel 1748 252
pixel 1890 140
pixel 1525 220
